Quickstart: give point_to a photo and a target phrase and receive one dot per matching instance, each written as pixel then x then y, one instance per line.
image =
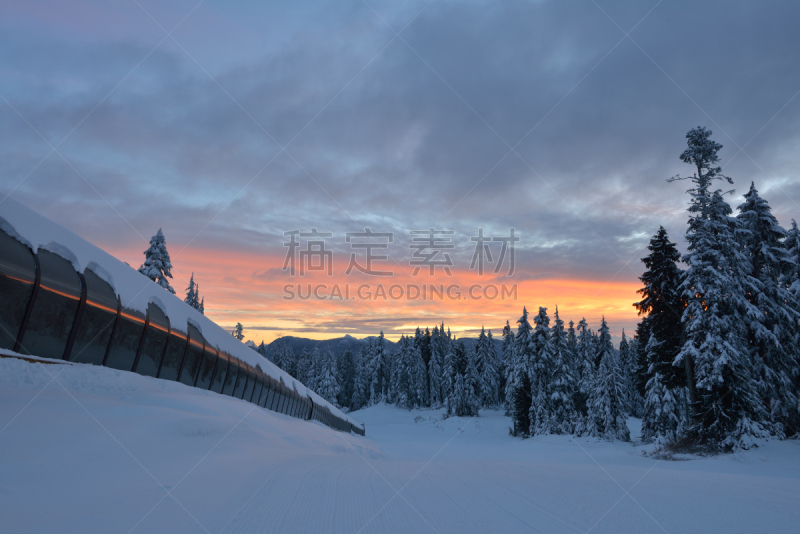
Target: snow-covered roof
pixel 135 290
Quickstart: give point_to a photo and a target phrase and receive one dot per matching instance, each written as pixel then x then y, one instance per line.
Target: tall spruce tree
pixel 772 336
pixel 661 309
pixel 726 409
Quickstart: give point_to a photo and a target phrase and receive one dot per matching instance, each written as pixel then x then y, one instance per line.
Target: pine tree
pixel 191 294
pixel 472 399
pixel 435 370
pixel 327 383
pixel 584 368
pixel 540 371
pixel 606 404
pixel 361 383
pixel 202 307
pixel 347 377
pixel 661 419
pixel 726 408
pixel 628 364
pixel 422 394
pixel 489 373
pixel 313 370
pixel 508 357
pixel 518 385
pixel 156 264
pixel 562 384
pixel 662 307
pixel 771 337
pixel 238 332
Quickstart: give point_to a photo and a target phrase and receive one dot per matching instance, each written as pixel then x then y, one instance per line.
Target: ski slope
pixel 91 449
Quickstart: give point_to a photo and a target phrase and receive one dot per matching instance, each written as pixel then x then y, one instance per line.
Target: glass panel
pixel 219 374
pixel 125 340
pixel 97 323
pixel 155 339
pixel 194 354
pixel 262 400
pixel 270 394
pixel 241 381
pixel 233 374
pixel 173 356
pixel 259 388
pixel 55 308
pixel 17 275
pixel 207 367
pixel 251 383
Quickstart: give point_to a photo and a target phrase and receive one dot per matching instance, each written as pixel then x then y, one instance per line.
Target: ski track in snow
pixel 98 450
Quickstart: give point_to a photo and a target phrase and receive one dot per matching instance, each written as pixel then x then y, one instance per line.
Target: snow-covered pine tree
pixel 238 331
pixel 191 294
pixel 661 419
pixel 562 384
pixel 361 383
pixel 540 371
pixel 518 385
pixel 449 377
pixel 628 365
pixel 157 265
pixel 661 309
pixel 508 358
pixel 472 399
pixel 435 370
pixel 422 397
pixel 726 409
pixel 606 403
pixel 327 384
pixel 202 307
pixel 584 368
pixel 303 364
pixel 313 370
pixel 457 401
pixel 347 376
pixel 772 337
pixel 490 375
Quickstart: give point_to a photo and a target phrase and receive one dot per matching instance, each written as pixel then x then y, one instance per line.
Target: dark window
pixel 274 395
pixel 155 339
pixel 219 374
pixel 284 399
pixel 55 308
pixel 17 276
pixel 241 381
pixel 125 340
pixel 207 367
pixel 259 388
pixel 251 383
pixel 262 401
pixel 233 375
pixel 173 355
pixel 194 355
pixel 270 394
pixel 97 323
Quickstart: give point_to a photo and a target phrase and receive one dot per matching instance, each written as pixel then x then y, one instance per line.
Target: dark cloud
pixel 401 136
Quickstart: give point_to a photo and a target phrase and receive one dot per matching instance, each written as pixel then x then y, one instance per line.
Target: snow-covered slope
pixel 90 449
pixel 134 289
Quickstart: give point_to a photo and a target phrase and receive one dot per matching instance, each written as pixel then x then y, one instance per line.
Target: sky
pixel 228 125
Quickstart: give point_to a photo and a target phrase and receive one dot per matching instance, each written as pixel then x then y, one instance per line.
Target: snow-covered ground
pixel 90 449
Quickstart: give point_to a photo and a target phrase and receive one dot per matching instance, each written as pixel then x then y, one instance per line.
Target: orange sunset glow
pixel 248 287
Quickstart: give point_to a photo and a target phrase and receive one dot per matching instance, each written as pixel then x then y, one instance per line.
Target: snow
pixel 91 449
pixel 134 289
